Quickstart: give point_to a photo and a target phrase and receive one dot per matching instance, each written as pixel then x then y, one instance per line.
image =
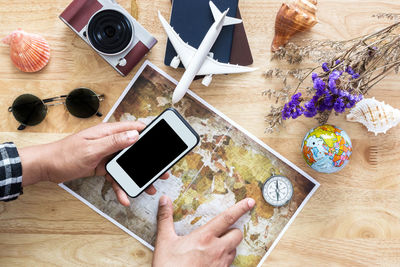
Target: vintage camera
pixel 110 30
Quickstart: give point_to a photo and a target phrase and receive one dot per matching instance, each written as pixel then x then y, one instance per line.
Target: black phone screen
pixel 152 153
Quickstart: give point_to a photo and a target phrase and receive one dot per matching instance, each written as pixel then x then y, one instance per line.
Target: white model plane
pixel 199 61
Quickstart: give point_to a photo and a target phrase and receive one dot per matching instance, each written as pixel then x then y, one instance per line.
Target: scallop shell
pixel 293 17
pixel 29 52
pixel 377 116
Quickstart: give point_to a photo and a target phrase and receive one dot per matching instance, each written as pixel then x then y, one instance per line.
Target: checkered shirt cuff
pixel 10 172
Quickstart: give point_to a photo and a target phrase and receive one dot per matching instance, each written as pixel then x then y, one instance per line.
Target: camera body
pixel 110 30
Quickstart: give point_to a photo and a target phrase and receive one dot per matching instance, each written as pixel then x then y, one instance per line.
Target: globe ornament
pixel 326 148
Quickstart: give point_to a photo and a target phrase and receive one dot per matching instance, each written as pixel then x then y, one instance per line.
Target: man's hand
pixel 81 155
pixel 213 244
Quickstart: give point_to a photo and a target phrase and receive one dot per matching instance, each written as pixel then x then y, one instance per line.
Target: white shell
pixel 377 116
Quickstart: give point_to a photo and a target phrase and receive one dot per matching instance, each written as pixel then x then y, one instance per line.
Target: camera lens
pixel 110 31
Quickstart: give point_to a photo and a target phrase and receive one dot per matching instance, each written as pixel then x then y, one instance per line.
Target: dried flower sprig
pixel 390 16
pixel 328 94
pixel 349 70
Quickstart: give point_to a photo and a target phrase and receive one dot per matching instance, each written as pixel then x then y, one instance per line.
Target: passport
pixel 240 51
pixel 191 19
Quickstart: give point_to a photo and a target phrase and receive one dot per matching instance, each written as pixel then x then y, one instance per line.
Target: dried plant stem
pixel 372 57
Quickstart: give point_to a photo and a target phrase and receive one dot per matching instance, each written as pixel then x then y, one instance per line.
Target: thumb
pixel 111 144
pixel 165 223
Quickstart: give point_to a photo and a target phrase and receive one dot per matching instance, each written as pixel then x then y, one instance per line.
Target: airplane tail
pixel 217 14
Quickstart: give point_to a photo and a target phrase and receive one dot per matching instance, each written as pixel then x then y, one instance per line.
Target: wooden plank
pixel 353 219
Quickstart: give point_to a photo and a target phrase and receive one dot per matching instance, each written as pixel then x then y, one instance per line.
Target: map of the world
pixel 227 166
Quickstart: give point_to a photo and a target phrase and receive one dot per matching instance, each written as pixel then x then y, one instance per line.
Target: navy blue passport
pixel 191 19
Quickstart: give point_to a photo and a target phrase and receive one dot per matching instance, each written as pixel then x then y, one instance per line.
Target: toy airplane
pixel 199 61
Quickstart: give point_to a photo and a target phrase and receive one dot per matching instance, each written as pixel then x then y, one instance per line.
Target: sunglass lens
pixel 29 109
pixel 82 103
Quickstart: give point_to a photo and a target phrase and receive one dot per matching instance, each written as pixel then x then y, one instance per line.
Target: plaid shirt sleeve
pixel 10 172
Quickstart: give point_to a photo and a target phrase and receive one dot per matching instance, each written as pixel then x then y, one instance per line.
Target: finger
pixel 100 169
pixel 165 176
pixel 220 224
pixel 151 190
pixel 231 257
pixel 165 224
pixel 108 178
pixel 232 239
pixel 105 129
pixel 121 195
pixel 113 143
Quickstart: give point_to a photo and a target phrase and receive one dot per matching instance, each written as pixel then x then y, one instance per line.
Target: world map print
pixel 227 166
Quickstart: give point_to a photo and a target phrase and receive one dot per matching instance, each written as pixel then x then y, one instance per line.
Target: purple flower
pixel 332 86
pixel 325 67
pixel 353 74
pixel 350 104
pixel 286 112
pixel 319 84
pixel 349 70
pixel 310 113
pixel 298 111
pixel 295 98
pixel 328 100
pixel 293 108
pixel 339 105
pixel 311 110
pixel 314 76
pixel 320 93
pixel 322 107
pixel 350 100
pixel 342 93
pixel 328 95
pixel 335 75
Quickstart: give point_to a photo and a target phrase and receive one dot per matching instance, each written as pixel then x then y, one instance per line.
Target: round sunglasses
pixel 30 110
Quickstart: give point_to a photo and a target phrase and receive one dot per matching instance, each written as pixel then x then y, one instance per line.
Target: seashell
pixel 377 116
pixel 29 52
pixel 294 17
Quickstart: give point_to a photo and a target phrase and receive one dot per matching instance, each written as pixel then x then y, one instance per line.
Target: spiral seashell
pixel 293 17
pixel 29 52
pixel 377 116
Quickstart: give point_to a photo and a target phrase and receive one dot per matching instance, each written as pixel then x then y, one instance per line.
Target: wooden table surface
pixel 352 220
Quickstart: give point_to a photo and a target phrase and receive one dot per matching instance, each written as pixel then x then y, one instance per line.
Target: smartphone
pixel 167 139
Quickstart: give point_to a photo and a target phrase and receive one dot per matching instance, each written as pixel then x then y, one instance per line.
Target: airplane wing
pixel 184 50
pixel 212 66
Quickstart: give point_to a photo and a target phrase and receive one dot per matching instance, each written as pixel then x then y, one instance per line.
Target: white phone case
pixel 181 128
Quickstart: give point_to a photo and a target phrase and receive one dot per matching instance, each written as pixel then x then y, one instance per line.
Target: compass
pixel 277 190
